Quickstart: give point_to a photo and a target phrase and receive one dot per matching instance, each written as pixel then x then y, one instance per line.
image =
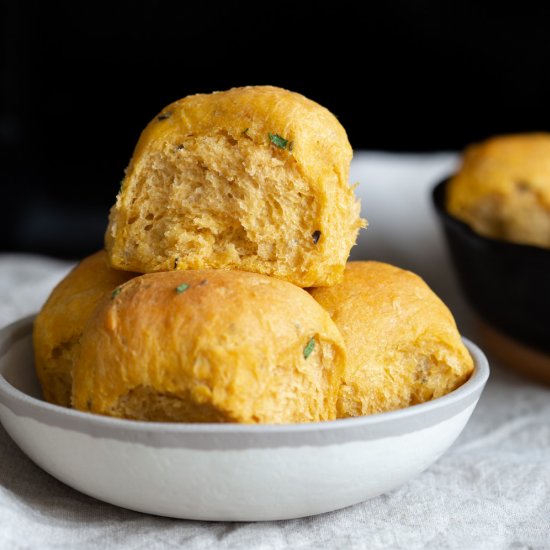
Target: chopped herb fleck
pixel 165 115
pixel 182 288
pixel 309 348
pixel 316 236
pixel 115 293
pixel 176 262
pixel 277 140
pixel 245 131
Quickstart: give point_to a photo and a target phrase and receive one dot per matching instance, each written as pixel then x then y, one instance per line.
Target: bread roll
pixel 210 346
pixel 502 189
pixel 402 343
pixel 253 178
pixel 58 327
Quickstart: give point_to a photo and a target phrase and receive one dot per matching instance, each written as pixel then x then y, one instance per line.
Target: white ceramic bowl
pixel 226 471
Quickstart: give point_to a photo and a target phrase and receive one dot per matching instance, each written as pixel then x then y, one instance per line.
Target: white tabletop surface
pixel 490 491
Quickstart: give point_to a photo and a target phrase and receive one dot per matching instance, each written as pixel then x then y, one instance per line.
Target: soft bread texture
pixel 59 325
pixel 402 343
pixel 253 178
pixel 231 346
pixel 502 189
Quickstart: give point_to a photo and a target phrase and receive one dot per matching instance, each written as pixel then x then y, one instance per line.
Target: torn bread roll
pixel 253 178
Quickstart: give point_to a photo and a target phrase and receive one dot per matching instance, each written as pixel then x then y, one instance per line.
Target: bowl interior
pixel 15 369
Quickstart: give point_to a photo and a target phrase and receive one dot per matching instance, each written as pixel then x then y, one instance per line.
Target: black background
pixel 79 82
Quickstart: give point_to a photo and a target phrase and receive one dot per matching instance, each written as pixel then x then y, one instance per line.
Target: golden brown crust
pixel 402 343
pixel 208 187
pixel 59 325
pixel 502 189
pixel 227 348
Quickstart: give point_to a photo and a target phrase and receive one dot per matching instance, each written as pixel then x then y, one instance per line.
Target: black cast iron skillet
pixel 507 284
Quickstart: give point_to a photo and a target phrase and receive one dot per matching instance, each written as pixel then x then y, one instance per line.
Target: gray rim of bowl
pixel 241 436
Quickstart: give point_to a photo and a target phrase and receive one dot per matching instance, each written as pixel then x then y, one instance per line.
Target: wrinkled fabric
pixel 491 490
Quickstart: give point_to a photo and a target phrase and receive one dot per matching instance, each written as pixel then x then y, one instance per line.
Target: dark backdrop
pixel 79 83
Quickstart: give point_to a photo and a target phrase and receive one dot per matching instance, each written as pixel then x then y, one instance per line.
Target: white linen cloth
pixel 490 491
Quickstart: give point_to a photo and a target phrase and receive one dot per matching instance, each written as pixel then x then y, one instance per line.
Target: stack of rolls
pixel 223 293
